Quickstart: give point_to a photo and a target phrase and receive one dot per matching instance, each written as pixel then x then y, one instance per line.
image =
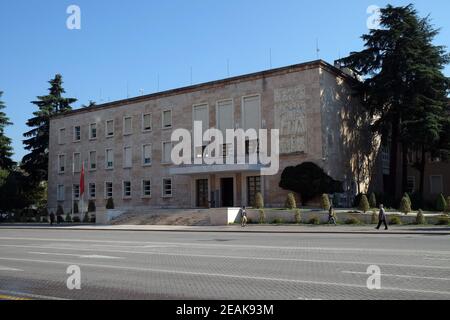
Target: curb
pixel 431 233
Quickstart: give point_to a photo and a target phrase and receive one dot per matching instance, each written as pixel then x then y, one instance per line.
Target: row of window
pixel 146 126
pixel 250 118
pixel 146 156
pixel 146 190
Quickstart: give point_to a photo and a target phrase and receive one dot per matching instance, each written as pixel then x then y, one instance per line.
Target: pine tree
pixel 441 203
pixel 6 153
pixel 325 202
pixel 402 78
pixel 36 162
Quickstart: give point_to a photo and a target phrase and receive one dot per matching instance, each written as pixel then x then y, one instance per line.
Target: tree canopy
pixel 6 150
pixel 308 180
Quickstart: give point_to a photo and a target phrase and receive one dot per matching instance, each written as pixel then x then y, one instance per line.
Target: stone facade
pixel 311 104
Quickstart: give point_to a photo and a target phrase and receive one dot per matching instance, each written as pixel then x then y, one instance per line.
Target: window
pixel 127 125
pixel 251 116
pixel 92 190
pixel 167 187
pixel 76 191
pixel 253 187
pixel 146 122
pixel 77 162
pixel 147 154
pixel 127 189
pixel 200 113
pixel 108 190
pixel 93 131
pixel 109 128
pixel 167 119
pixel 146 188
pixel 436 186
pixel 77 133
pixel 93 160
pixel 109 159
pixel 411 187
pixel 60 192
pixel 166 152
pixel 61 136
pixel 225 115
pixel 127 160
pixel 61 163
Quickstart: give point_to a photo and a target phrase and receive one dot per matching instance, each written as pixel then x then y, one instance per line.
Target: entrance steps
pixel 180 217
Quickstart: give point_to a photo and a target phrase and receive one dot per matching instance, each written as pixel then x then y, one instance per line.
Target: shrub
pixel 110 203
pixel 91 206
pixel 441 204
pixel 373 200
pixel 405 205
pixel 420 218
pixel 86 218
pixel 76 219
pixel 314 220
pixel 262 216
pixel 75 207
pixel 395 220
pixel 352 220
pixel 259 201
pixel 447 210
pixel 442 221
pixel 290 201
pixel 60 211
pixel 68 217
pixel 374 217
pixel 364 204
pixel 406 195
pixel 93 219
pixel 45 219
pixel 277 221
pixel 298 216
pixel 325 202
pixel 59 219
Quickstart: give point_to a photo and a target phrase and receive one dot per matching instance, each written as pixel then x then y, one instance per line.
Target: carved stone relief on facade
pixel 290 118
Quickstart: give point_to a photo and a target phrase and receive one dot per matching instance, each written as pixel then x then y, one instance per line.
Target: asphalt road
pixel 191 265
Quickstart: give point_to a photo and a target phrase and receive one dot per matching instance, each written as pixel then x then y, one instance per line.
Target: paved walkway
pixel 428 230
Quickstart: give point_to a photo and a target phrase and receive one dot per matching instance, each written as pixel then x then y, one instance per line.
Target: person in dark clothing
pixel 331 217
pixel 243 217
pixel 382 218
pixel 52 218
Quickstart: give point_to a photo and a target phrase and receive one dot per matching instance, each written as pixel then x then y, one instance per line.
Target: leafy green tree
pixel 37 139
pixel 403 84
pixel 308 180
pixel 5 143
pixel 364 204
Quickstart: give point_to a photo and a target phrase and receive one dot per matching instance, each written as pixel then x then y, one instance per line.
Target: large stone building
pixel 126 144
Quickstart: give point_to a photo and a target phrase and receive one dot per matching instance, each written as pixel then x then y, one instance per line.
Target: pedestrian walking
pixel 382 218
pixel 52 218
pixel 243 217
pixel 331 216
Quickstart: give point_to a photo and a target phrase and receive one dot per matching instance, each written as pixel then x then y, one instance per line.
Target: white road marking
pixel 92 256
pixel 253 247
pixel 203 274
pixel 2 268
pixel 29 295
pixel 400 276
pixel 439 259
pixel 242 257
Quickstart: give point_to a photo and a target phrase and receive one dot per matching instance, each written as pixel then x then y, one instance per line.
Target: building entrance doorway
pixel 227 192
pixel 202 193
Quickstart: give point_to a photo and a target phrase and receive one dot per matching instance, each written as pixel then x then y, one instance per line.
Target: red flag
pixel 82 180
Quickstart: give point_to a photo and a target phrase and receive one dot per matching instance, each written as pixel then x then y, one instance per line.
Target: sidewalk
pixel 366 229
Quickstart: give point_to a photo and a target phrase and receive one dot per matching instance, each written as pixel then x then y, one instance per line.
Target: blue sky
pixel 126 44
